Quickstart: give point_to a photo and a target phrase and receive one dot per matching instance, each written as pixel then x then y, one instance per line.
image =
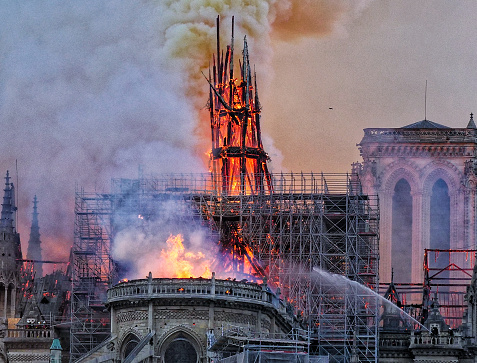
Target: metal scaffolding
pixel 92 273
pixel 278 227
pixel 447 273
pixel 306 221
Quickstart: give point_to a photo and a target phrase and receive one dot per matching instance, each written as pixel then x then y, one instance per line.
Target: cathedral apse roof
pixel 425 124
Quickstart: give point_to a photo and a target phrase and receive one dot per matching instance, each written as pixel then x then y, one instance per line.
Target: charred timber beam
pixel 238 152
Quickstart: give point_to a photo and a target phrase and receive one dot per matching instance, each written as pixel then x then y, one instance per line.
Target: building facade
pixel 193 320
pixel 425 176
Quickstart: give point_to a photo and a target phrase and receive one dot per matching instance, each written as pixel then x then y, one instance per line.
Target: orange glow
pixel 237 155
pixel 182 263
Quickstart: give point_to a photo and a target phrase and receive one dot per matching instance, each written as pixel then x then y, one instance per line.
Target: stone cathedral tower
pixel 34 243
pixel 10 253
pixel 425 177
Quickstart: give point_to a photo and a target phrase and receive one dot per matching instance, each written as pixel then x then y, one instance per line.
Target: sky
pixel 372 71
pixel 90 91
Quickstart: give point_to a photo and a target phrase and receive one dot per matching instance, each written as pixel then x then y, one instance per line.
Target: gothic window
pixel 180 350
pixel 440 216
pixel 401 251
pixel 440 225
pixel 129 344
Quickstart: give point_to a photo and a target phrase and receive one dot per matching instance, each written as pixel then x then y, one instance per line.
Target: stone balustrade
pixel 406 134
pixel 441 340
pixel 29 333
pixel 192 287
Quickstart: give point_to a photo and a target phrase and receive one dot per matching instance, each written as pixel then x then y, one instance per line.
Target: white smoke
pixel 152 245
pixel 90 90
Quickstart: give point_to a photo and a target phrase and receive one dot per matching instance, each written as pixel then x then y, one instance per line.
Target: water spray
pixel 342 281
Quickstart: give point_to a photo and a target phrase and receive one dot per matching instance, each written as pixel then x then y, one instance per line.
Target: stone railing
pixel 394 342
pixel 448 341
pixel 192 288
pixel 408 135
pixel 30 333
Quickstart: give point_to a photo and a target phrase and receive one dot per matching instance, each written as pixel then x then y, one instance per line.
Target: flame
pixel 182 263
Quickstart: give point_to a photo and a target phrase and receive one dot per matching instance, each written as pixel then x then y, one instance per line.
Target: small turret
pixel 55 351
pixel 392 317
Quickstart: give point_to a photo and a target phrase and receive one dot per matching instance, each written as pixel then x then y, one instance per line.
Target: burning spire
pixel 34 243
pixel 238 160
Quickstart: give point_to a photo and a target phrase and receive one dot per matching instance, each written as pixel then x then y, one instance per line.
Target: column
pixel 419 240
pixel 13 308
pixel 469 239
pixel 385 232
pixel 150 316
pixel 113 319
pixel 212 304
pixel 5 300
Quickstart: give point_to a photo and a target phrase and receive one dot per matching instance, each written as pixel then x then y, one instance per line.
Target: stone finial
pixel 471 124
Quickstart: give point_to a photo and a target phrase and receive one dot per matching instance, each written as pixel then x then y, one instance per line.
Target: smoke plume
pixel 168 244
pixel 91 90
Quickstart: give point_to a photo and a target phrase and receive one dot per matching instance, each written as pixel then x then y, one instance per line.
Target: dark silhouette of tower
pixel 34 243
pixel 10 253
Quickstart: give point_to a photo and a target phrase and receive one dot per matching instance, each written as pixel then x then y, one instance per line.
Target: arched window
pixel 440 226
pixel 440 216
pixel 129 344
pixel 401 251
pixel 180 346
pixel 180 350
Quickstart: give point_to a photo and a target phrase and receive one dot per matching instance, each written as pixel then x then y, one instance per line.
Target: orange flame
pixel 182 263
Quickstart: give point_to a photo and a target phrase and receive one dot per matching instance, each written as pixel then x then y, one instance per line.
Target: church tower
pixel 34 243
pixel 10 253
pixel 425 176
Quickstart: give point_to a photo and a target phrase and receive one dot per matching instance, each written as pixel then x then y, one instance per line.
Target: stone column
pixel 385 240
pixel 468 220
pixel 113 320
pixel 470 208
pixel 150 316
pixel 13 301
pixel 212 304
pixel 420 239
pixel 150 312
pixel 5 300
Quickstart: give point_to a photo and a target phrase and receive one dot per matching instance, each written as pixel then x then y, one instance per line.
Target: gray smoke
pixel 91 90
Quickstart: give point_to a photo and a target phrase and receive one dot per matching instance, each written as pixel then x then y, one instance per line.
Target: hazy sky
pixel 373 74
pixel 91 90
